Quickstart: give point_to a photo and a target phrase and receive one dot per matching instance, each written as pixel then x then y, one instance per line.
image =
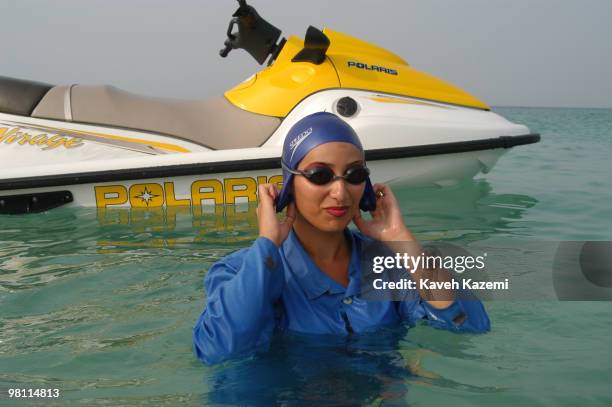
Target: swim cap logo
pixel 295 143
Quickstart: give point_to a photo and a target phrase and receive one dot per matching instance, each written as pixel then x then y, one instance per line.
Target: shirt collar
pixel 314 281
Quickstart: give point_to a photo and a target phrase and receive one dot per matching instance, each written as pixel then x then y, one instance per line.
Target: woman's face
pixel 329 207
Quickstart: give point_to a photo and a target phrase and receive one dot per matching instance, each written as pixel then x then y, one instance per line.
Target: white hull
pixel 407 142
pixel 240 187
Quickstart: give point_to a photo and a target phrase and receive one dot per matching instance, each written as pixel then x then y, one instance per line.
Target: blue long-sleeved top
pixel 260 289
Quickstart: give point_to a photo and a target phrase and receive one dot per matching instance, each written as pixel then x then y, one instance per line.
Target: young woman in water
pixel 304 273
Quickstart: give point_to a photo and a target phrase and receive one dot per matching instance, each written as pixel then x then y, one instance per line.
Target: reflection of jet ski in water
pixel 101 146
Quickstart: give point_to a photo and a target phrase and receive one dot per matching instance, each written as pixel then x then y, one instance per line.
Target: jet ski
pixel 99 146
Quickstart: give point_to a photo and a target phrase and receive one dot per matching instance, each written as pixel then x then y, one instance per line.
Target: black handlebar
pixel 230 38
pixel 255 35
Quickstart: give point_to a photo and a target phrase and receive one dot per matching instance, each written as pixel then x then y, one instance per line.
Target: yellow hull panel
pixel 351 64
pixel 280 87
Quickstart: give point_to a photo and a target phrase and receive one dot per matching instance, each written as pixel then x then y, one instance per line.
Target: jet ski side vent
pixel 36 202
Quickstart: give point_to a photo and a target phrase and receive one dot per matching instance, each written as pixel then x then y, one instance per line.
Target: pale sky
pixel 507 53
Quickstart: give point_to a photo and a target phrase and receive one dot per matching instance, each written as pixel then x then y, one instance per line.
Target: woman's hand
pixel 269 225
pixel 387 222
pixel 387 225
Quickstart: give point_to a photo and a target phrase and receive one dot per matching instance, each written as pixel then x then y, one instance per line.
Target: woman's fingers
pixel 265 209
pixel 393 226
pixel 262 194
pixel 387 212
pixel 384 193
pixel 386 199
pixel 269 224
pixel 273 191
pixel 267 194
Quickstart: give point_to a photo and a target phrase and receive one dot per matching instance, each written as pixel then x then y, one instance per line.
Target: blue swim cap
pixel 308 133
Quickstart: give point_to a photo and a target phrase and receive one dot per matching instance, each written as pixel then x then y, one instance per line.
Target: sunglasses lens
pixel 357 175
pixel 324 175
pixel 320 176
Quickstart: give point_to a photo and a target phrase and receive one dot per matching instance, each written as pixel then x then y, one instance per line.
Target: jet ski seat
pixel 19 96
pixel 214 123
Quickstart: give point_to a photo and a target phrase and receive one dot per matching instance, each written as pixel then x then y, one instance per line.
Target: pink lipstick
pixel 337 211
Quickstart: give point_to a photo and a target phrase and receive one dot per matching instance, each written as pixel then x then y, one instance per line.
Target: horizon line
pixel 554 107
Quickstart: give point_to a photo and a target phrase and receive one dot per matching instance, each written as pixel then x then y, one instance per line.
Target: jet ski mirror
pixel 255 35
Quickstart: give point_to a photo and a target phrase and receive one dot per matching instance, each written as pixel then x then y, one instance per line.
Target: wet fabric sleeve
pixel 239 314
pixel 465 314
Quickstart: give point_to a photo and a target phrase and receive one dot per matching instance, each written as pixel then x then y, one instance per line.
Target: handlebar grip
pixel 225 51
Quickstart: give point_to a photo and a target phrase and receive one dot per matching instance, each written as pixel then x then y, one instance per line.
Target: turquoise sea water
pixel 100 305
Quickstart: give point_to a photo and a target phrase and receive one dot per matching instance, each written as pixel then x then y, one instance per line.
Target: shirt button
pixel 269 262
pixel 348 300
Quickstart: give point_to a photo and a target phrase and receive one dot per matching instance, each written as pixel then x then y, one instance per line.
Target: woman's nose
pixel 339 190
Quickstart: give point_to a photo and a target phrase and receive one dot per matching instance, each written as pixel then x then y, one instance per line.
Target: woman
pixel 303 274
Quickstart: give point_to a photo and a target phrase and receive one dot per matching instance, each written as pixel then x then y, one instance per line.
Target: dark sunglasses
pixel 325 175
